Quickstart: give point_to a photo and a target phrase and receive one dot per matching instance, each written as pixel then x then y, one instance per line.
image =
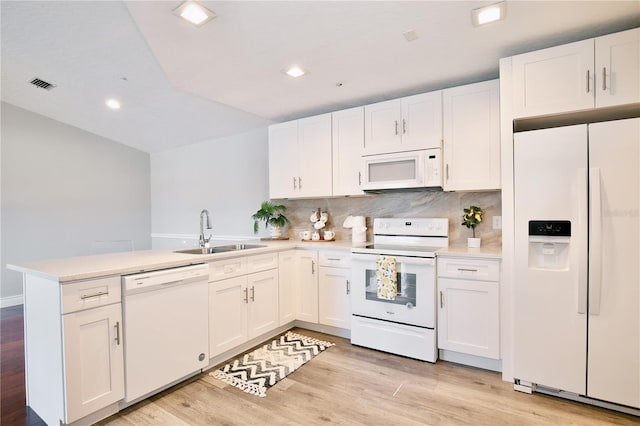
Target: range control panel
pixel 550 228
pixel 411 227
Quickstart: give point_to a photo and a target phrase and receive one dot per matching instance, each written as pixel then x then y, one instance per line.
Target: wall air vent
pixel 42 84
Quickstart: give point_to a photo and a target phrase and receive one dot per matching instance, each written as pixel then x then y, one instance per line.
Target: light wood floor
pixel 351 385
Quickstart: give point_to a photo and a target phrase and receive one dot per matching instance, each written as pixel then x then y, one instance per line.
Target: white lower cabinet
pixel 468 306
pixel 307 286
pixel 227 314
pixel 287 286
pixel 94 373
pixel 262 306
pixel 73 348
pixel 245 306
pixel 334 288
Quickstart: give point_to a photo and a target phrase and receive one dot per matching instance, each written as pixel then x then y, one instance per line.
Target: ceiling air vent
pixel 42 84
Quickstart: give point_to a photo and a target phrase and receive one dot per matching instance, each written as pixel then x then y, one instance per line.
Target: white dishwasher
pixel 166 327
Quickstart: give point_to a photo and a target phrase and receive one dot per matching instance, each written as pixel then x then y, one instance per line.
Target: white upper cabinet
pixel 570 77
pixel 618 68
pixel 347 147
pixel 283 157
pixel 472 137
pixel 300 158
pixel 405 124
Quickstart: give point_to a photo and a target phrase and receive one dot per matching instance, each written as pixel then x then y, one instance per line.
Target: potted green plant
pixel 272 216
pixel 472 218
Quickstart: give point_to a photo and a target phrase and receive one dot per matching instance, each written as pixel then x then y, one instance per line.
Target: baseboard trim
pixel 5 302
pixel 471 360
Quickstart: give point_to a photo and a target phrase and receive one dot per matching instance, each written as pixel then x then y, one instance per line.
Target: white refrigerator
pixel 577 260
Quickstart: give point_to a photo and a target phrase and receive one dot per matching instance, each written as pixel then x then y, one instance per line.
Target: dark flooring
pixel 13 409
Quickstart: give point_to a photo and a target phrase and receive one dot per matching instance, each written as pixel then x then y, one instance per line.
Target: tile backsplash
pixel 401 204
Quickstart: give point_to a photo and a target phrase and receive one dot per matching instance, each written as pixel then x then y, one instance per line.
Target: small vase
pixel 473 242
pixel 275 232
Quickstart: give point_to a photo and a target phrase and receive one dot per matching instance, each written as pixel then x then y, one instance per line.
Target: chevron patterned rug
pixel 257 371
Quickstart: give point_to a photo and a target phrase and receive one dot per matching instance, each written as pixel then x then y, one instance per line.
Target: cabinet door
pixel 283 159
pixel 94 365
pixel 472 137
pixel 347 148
pixel 333 297
pixel 553 80
pixel 468 317
pixel 262 315
pixel 618 68
pixel 314 156
pixel 307 293
pixel 228 301
pixel 287 285
pixel 382 127
pixel 421 125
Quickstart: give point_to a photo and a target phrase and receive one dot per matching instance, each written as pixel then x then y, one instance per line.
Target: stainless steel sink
pixel 220 249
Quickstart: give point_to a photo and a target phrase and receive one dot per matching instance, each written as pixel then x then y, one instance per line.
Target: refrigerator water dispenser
pixel 549 244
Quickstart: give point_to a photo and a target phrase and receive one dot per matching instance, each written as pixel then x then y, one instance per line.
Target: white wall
pixel 66 192
pixel 227 176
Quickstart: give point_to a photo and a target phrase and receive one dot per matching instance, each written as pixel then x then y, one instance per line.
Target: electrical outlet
pixel 497 222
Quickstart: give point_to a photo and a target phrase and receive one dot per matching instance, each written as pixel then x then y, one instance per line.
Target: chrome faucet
pixel 204 241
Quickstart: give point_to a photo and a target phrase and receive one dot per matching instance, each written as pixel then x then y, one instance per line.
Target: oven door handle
pixel 399 259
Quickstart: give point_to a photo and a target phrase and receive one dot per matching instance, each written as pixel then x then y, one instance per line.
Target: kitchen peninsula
pixel 74 311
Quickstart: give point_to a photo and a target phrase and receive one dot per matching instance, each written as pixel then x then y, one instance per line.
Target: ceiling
pixel 179 84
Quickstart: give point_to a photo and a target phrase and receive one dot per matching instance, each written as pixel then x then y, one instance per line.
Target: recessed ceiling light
pixel 113 103
pixel 491 13
pixel 194 13
pixel 295 71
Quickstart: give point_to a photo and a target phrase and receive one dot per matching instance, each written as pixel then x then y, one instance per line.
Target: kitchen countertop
pixel 102 265
pixel 488 252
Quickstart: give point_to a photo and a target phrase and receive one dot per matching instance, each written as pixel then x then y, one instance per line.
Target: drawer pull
pixel 98 294
pixel 467 270
pixel 333 258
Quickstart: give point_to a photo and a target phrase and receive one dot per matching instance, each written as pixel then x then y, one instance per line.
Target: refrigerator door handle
pixel 583 202
pixel 595 243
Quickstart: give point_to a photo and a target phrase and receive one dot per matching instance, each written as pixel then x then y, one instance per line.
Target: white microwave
pixel 400 170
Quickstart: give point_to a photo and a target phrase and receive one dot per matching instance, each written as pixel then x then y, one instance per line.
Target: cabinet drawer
pixel 469 269
pixel 262 262
pixel 228 268
pixel 335 259
pixel 80 295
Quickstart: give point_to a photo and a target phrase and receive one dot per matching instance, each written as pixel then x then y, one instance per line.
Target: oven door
pixel 415 303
